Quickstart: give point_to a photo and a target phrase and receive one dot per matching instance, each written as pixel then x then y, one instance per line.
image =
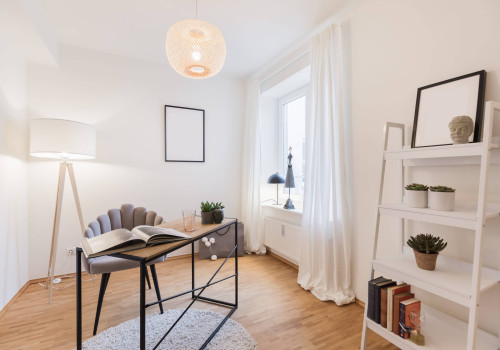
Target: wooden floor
pixel 272 307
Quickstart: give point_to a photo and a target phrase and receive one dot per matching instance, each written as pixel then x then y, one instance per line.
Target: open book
pixel 122 240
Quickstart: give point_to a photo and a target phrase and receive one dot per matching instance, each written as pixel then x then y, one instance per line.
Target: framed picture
pixel 184 134
pixel 437 104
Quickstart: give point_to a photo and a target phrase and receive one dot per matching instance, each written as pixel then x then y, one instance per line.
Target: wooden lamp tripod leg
pixel 55 231
pixel 75 194
pixel 57 219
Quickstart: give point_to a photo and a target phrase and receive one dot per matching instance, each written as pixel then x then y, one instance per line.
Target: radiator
pixel 283 239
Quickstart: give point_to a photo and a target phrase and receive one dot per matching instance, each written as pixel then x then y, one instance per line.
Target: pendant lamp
pixel 195 48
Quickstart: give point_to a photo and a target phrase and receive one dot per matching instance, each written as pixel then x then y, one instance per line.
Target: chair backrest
pixel 126 217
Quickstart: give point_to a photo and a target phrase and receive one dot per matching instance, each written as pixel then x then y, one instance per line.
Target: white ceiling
pixel 255 31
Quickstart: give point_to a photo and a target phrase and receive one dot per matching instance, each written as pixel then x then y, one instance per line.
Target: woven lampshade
pixel 195 49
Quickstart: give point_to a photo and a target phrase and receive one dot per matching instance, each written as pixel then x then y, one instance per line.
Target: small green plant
pixel 417 187
pixel 218 205
pixel 441 189
pixel 426 243
pixel 207 206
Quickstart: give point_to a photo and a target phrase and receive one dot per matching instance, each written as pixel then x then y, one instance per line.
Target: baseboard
pixel 13 299
pixel 64 275
pixel 84 273
pixel 282 259
pixel 360 303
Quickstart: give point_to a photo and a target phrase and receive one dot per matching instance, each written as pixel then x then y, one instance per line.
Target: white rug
pixel 190 333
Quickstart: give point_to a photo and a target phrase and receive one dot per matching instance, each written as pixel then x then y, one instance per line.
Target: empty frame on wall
pixel 437 104
pixel 184 134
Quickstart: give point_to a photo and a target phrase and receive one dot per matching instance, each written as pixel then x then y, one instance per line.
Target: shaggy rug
pixel 190 333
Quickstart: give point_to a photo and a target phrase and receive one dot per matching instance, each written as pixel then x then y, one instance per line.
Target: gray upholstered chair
pixel 126 217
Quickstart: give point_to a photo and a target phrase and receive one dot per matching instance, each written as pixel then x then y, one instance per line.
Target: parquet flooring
pixel 272 307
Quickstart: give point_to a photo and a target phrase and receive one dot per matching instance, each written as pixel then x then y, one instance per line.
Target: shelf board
pixel 442 155
pixel 441 331
pixel 445 151
pixel 463 216
pixel 452 279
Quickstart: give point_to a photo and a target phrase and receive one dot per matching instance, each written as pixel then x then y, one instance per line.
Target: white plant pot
pixel 442 201
pixel 416 199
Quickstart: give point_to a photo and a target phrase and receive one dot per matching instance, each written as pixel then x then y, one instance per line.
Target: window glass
pixel 294 118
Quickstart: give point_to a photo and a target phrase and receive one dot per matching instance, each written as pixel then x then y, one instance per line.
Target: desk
pixel 147 254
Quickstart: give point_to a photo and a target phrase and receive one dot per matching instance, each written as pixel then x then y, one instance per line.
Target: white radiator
pixel 283 239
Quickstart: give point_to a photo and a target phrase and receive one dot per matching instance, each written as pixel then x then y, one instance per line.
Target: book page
pixel 145 232
pixel 158 234
pixel 112 239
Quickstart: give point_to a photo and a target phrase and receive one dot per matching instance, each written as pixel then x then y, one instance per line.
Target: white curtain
pixel 251 174
pixel 324 266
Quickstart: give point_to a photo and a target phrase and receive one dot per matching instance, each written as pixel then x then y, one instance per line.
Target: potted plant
pixel 426 248
pixel 442 198
pixel 207 212
pixel 416 195
pixel 218 212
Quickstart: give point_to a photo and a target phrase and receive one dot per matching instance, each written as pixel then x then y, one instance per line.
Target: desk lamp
pixel 276 179
pixel 64 140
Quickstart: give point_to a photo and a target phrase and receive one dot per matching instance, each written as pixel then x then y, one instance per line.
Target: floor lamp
pixel 64 140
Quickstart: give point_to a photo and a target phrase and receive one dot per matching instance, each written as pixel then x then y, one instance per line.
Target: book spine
pixel 403 333
pixel 390 296
pixel 371 299
pixel 383 307
pixel 395 314
pixel 377 304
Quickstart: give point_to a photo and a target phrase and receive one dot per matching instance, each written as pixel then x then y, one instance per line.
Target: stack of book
pixel 390 305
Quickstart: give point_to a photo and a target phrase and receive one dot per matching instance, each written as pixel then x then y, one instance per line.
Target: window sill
pixel 276 211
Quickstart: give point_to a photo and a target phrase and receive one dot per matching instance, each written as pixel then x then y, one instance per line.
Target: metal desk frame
pixel 194 296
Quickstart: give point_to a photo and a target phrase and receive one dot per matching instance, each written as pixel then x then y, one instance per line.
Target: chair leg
pixel 147 279
pixel 102 290
pixel 157 286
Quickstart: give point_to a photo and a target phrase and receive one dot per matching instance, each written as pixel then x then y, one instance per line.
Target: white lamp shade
pixel 62 139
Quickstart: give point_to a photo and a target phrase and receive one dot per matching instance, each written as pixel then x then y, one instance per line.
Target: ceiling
pixel 255 31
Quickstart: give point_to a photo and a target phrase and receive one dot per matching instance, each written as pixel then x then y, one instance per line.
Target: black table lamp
pixel 290 181
pixel 276 179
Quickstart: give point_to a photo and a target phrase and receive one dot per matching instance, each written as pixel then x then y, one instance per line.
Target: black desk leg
pixel 236 264
pixel 192 269
pixel 78 298
pixel 143 306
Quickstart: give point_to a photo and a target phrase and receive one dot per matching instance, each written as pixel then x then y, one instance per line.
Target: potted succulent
pixel 442 198
pixel 426 248
pixel 218 212
pixel 416 195
pixel 207 212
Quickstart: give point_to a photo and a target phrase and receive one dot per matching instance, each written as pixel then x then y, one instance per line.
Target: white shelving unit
pixel 455 280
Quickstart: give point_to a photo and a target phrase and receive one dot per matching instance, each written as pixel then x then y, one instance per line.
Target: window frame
pixel 283 125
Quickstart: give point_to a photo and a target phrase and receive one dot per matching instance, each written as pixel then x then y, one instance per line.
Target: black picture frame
pixel 438 103
pixel 184 131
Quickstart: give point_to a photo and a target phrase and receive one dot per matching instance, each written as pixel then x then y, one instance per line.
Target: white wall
pixel 13 195
pixel 124 99
pixel 398 46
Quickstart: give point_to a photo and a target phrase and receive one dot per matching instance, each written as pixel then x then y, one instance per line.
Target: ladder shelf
pixel 455 280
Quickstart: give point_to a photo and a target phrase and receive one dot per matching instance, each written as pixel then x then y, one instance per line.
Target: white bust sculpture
pixel 461 128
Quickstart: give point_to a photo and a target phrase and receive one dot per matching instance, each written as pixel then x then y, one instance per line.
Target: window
pixel 292 135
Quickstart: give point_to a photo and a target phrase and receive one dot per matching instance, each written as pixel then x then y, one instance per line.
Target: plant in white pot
pixel 426 248
pixel 442 198
pixel 416 195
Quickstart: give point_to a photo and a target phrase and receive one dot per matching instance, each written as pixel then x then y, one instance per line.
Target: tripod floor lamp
pixel 64 140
